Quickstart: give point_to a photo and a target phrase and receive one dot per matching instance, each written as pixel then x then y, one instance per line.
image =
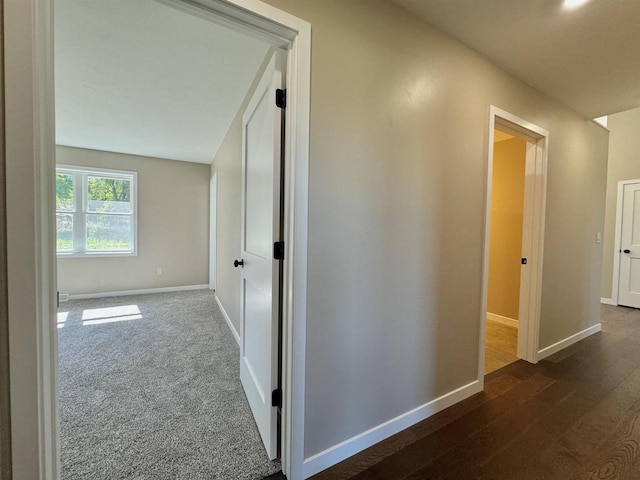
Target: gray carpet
pixel 155 394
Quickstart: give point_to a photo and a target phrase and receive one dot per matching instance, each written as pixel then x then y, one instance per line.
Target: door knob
pixel 627 251
pixel 237 263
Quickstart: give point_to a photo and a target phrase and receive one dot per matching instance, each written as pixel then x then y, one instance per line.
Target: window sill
pixel 96 255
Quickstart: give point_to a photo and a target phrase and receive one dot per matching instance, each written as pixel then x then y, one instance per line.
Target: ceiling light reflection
pixel 569 4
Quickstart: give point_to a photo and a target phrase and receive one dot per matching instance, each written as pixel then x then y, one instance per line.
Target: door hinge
pixel 523 261
pixel 276 398
pixel 281 98
pixel 278 250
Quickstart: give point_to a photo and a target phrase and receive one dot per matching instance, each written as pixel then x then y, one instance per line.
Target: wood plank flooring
pixel 501 346
pixel 575 415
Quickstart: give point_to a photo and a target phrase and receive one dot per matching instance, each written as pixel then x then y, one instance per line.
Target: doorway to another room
pixel 505 250
pixel 513 242
pixel 151 383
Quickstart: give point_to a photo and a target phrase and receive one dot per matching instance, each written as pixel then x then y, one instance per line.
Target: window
pixel 96 212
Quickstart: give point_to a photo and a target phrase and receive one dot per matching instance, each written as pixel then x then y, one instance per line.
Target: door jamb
pixel 615 283
pixel 253 15
pixel 533 232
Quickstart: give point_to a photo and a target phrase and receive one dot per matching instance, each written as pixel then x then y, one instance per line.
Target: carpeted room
pixel 149 388
pixel 149 368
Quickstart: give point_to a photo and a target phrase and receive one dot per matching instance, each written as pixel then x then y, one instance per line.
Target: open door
pixel 261 205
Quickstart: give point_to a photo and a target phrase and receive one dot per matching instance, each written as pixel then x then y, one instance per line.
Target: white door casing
pixel 532 233
pixel 629 284
pixel 260 276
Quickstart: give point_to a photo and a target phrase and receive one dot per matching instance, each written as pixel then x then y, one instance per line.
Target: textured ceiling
pixel 587 58
pixel 143 78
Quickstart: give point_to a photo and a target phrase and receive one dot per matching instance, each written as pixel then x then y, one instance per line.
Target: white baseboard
pixel 608 301
pixel 228 320
pixel 82 296
pixel 556 347
pixel 346 449
pixel 512 322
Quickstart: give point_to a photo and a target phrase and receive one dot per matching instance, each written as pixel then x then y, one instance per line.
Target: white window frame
pixel 80 203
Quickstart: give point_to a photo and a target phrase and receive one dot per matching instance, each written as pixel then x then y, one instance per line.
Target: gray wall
pixel 399 121
pixel 173 227
pixel 624 164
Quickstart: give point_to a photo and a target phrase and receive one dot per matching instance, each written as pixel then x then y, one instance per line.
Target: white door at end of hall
pixel 260 275
pixel 629 284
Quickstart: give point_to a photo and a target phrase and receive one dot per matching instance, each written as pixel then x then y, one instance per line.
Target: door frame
pixel 213 229
pixel 30 147
pixel 537 140
pixel 615 283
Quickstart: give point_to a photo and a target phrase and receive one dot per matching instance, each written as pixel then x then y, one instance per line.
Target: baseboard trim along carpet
pixel 83 296
pixel 608 301
pixel 511 322
pixel 556 347
pixel 228 320
pixel 350 447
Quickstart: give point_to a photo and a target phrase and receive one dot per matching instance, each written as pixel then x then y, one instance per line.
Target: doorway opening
pixel 514 241
pixel 134 166
pixel 505 250
pixel 282 31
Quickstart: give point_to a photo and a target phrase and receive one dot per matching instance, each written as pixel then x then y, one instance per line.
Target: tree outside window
pixel 95 211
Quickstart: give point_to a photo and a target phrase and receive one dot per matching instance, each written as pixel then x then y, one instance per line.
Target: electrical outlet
pixel 159 271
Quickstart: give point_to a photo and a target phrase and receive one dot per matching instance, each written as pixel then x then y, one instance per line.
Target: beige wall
pixel 5 437
pixel 505 247
pixel 228 166
pixel 173 227
pixel 25 286
pixel 624 164
pixel 399 119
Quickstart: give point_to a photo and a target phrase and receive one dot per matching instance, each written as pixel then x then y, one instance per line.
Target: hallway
pixel 573 415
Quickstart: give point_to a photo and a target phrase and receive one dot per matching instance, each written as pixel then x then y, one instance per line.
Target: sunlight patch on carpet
pixel 98 316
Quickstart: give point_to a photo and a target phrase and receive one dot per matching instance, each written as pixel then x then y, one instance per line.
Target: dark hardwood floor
pixel 575 415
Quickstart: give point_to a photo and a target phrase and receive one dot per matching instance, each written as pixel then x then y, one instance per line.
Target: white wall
pixel 399 130
pixel 624 164
pixel 173 227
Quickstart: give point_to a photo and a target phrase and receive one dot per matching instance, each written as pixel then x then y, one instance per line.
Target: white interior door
pixel 629 285
pixel 262 127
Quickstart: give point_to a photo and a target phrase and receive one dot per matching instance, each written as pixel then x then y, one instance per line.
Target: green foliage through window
pixel 109 195
pixel 64 191
pixel 94 209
